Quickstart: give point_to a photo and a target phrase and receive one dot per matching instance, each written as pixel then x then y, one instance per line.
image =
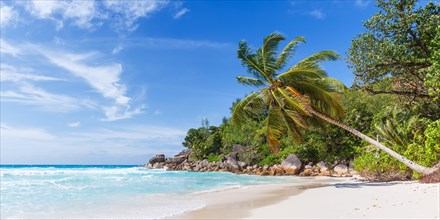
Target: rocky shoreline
pixel 292 165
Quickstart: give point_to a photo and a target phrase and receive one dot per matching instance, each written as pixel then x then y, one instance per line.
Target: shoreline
pixel 322 198
pixel 237 203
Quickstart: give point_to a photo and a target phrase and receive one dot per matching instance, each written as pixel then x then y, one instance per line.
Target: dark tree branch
pixel 396 92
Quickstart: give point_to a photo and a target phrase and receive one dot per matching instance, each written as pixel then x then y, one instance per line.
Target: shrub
pixel 424 150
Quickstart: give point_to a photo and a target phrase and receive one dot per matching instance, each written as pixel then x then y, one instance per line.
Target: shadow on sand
pixel 359 185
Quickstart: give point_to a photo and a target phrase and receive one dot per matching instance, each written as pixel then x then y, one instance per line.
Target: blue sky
pixel 113 82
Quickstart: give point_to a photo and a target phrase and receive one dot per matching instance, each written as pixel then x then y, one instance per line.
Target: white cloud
pixel 362 3
pixel 157 112
pixel 180 13
pixel 7 16
pixel 58 41
pixel 74 124
pixel 130 11
pixel 105 79
pixel 82 13
pixel 6 48
pixel 45 9
pixel 28 94
pixel 10 73
pixel 24 133
pixel 118 49
pixel 89 14
pixel 118 112
pixel 317 13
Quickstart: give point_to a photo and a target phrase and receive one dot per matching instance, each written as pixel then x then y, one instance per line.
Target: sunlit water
pixel 44 192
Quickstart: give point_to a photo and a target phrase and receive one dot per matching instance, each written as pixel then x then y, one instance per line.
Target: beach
pixel 322 198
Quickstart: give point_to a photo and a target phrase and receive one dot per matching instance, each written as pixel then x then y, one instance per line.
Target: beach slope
pixel 323 198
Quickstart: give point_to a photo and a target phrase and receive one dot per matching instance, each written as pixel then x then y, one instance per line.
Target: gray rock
pixel 341 169
pixel 158 165
pixel 233 164
pixel 291 165
pixel 159 158
pixel 204 163
pixel 322 166
pixel 238 148
pixel 242 164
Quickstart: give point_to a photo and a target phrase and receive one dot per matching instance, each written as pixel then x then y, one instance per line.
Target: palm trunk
pixel 414 166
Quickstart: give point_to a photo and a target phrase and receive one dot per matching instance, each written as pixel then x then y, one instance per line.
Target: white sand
pixel 340 198
pixel 402 200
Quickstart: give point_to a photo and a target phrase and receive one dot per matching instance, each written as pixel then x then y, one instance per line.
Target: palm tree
pixel 299 97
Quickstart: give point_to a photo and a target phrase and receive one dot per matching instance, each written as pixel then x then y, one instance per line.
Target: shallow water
pixel 43 192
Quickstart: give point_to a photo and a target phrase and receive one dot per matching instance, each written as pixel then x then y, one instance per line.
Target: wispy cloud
pixel 24 133
pixel 130 11
pixel 74 124
pixel 6 48
pixel 11 73
pixel 8 16
pixel 79 13
pixel 28 94
pixel 92 13
pixel 121 14
pixel 118 112
pixel 362 3
pixel 180 13
pixel 118 49
pixel 317 13
pixel 104 78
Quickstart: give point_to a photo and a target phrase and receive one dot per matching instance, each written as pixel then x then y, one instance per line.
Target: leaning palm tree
pixel 294 99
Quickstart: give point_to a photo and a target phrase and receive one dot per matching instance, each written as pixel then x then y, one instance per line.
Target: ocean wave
pixel 71 171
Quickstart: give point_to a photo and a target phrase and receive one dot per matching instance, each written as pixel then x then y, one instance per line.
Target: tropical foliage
pixel 398 54
pixel 395 98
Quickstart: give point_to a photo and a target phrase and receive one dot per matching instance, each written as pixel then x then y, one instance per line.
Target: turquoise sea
pixel 108 192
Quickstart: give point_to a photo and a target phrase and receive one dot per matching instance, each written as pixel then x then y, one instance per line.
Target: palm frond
pixel 275 126
pixel 314 59
pixel 298 73
pixel 391 133
pixel 295 131
pixel 335 85
pixel 294 120
pixel 268 52
pixel 247 108
pixel 322 99
pixel 251 61
pixel 292 101
pixel 250 81
pixel 287 52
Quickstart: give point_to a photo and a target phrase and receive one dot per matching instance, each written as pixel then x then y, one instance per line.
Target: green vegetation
pixel 395 99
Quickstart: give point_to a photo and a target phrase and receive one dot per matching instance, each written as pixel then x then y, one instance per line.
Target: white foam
pixel 60 171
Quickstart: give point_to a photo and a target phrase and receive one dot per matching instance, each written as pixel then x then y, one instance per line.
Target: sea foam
pixel 54 192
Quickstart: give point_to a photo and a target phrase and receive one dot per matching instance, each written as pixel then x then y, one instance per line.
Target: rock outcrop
pixel 159 158
pixel 292 165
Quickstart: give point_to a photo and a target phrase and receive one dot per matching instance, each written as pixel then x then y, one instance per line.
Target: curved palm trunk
pixel 414 166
